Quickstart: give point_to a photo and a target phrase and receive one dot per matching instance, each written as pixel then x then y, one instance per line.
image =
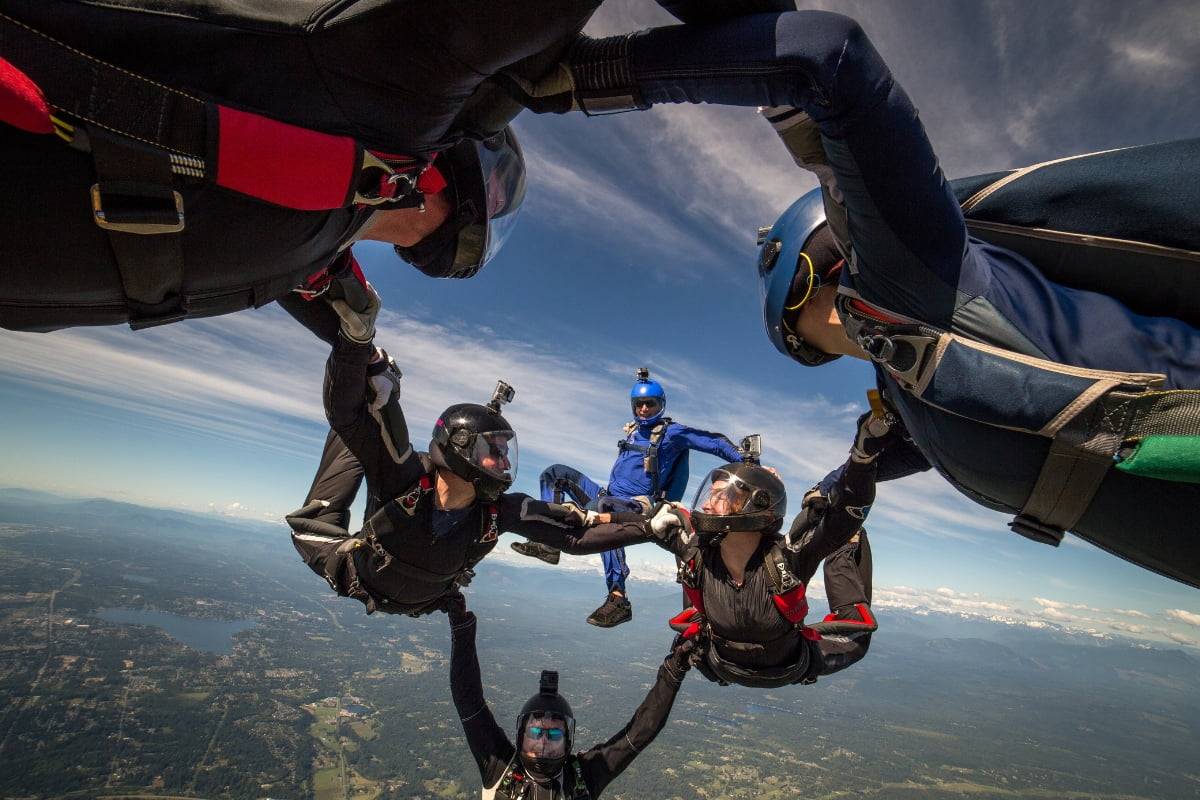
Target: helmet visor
pixel 546 734
pixel 502 171
pixel 495 453
pixel 722 494
pixel 646 407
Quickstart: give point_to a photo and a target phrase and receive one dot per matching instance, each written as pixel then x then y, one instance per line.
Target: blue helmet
pixel 647 390
pixel 781 257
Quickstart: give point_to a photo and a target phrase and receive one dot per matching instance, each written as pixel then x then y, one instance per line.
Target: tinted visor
pixel 495 453
pixel 638 403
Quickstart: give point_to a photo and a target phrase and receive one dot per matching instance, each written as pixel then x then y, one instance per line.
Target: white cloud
pixel 1187 617
pixel 1181 638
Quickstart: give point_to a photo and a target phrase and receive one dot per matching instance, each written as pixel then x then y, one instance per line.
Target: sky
pixel 636 248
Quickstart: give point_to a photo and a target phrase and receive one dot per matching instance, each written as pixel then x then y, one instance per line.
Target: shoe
pixel 848 619
pixel 536 550
pixel 615 610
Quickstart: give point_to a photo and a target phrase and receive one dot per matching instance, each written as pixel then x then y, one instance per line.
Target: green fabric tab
pixel 1169 458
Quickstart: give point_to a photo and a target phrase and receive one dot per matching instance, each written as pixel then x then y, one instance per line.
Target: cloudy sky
pixel 637 248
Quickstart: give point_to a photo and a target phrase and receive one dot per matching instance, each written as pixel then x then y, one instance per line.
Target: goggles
pixel 538 732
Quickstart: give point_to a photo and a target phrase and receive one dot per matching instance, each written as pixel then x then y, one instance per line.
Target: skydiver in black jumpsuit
pixel 430 517
pixel 404 80
pixel 541 766
pixel 744 635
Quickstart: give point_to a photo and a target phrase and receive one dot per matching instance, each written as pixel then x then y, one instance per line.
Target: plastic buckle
pixel 110 221
pixel 1035 529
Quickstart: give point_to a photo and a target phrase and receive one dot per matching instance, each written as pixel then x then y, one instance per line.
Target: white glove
pixel 358 326
pixel 385 383
pixel 669 517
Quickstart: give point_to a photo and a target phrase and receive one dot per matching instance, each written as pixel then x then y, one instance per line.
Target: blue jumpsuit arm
pixel 909 236
pixel 715 444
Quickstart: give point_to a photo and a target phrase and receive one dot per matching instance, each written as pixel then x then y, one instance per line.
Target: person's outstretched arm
pixel 844 502
pixel 714 444
pixel 578 532
pixel 604 762
pixel 489 744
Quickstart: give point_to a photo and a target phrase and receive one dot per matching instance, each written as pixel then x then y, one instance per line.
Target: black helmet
pixel 741 496
pixel 546 703
pixel 477 444
pixel 486 182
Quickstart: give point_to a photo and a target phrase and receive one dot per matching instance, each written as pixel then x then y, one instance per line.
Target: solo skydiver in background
pixel 1057 403
pixel 651 466
pixel 747 583
pixel 539 764
pixel 430 518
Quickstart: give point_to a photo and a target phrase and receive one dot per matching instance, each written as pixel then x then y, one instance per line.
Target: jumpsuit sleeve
pixel 547 523
pixel 714 444
pixel 700 12
pixel 850 499
pixel 604 762
pixel 336 483
pixel 345 390
pixel 910 243
pixel 489 744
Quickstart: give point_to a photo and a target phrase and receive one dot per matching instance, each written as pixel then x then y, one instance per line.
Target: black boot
pixel 615 610
pixel 536 550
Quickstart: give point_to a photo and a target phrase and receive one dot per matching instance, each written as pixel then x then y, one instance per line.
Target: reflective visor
pixel 495 453
pixel 722 494
pixel 503 174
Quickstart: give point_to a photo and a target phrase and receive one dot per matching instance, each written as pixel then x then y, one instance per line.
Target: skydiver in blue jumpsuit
pixel 652 465
pixel 911 261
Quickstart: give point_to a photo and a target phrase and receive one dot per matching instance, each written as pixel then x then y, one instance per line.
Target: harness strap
pixel 270 160
pixel 133 201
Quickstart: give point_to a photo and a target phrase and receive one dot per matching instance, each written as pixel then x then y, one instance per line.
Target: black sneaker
pixel 536 550
pixel 615 610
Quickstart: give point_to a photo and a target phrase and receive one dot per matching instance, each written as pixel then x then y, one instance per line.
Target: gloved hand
pixel 575 516
pixel 455 607
pixel 595 78
pixel 874 436
pixel 357 325
pixel 668 518
pixel 684 653
pixel 384 377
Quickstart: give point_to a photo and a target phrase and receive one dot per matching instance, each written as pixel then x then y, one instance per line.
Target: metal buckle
pixel 882 349
pixel 142 228
pixel 372 161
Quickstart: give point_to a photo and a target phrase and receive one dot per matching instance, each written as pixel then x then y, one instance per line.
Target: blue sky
pixel 637 248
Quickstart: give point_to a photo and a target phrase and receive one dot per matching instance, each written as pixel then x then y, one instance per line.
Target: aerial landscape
pixel 150 653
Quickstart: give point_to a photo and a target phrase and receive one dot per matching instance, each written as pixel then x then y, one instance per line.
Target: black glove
pixel 455 607
pixel 684 653
pixel 874 436
pixel 357 305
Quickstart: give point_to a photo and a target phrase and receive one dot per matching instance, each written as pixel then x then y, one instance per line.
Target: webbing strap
pixel 104 95
pixel 1080 456
pixel 135 205
pixel 277 162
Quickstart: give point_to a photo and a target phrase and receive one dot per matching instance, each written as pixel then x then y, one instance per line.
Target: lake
pixel 209 635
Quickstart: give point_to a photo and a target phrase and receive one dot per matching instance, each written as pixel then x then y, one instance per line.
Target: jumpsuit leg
pixel 847 584
pixel 559 482
pixel 616 570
